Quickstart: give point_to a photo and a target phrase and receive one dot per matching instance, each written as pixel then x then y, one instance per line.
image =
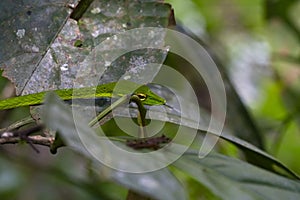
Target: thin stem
pixel 19 135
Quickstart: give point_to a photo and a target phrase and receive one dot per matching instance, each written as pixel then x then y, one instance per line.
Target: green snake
pixel 106 90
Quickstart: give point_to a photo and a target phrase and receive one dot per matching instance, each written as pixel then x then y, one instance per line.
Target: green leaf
pixel 186 120
pixel 230 178
pixel 160 184
pixel 77 135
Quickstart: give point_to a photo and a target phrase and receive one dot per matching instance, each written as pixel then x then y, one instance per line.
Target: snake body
pixel 114 89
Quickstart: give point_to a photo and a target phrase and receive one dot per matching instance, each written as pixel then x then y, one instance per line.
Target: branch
pixel 24 135
pixel 36 139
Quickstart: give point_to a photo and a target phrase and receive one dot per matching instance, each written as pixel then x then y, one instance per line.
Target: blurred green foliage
pixel 231 24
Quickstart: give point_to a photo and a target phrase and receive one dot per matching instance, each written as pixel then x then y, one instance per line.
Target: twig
pixel 36 139
pixel 23 135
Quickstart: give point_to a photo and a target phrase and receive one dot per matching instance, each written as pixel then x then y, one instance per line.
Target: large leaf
pixel 27 30
pixel 159 184
pixel 230 178
pixel 188 120
pixel 226 177
pixel 44 42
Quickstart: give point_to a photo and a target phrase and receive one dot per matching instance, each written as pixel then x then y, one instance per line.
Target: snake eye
pixel 142 96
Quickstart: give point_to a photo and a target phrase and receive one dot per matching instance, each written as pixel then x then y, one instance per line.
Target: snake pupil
pixel 142 96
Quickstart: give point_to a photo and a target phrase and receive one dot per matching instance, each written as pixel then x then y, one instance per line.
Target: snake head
pixel 148 97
